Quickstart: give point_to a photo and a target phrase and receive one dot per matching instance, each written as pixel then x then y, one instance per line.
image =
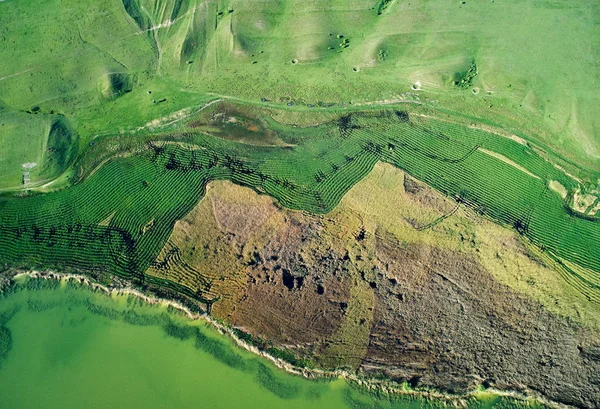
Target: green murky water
pixel 65 346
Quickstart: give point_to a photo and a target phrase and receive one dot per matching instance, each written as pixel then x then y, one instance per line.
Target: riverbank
pixel 379 387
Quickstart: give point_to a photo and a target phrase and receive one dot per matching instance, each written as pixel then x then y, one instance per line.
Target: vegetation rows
pixel 118 219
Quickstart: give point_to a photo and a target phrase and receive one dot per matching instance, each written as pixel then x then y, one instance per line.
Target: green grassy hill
pixel 529 66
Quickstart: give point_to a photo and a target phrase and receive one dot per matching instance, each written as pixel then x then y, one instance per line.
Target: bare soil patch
pixel 442 320
pixel 361 288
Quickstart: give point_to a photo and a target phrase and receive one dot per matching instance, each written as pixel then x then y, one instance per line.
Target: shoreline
pixel 387 387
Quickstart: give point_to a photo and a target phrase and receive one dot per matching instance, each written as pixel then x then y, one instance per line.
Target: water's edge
pixel 387 387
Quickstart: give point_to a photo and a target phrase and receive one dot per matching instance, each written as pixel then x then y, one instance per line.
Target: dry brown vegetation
pixel 398 280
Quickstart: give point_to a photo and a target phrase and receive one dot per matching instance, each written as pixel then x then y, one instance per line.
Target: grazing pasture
pixel 529 66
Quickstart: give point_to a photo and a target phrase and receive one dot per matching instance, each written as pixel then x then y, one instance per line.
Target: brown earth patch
pixel 461 304
pixel 295 294
pixel 307 313
pixel 442 320
pixel 423 195
pixel 234 123
pixel 260 264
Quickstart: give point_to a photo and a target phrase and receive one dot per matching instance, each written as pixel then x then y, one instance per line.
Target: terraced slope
pixel 120 216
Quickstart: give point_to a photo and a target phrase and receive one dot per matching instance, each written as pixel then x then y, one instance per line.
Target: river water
pixel 63 345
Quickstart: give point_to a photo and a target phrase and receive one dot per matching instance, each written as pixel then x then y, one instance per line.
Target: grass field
pixel 23 139
pixel 335 52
